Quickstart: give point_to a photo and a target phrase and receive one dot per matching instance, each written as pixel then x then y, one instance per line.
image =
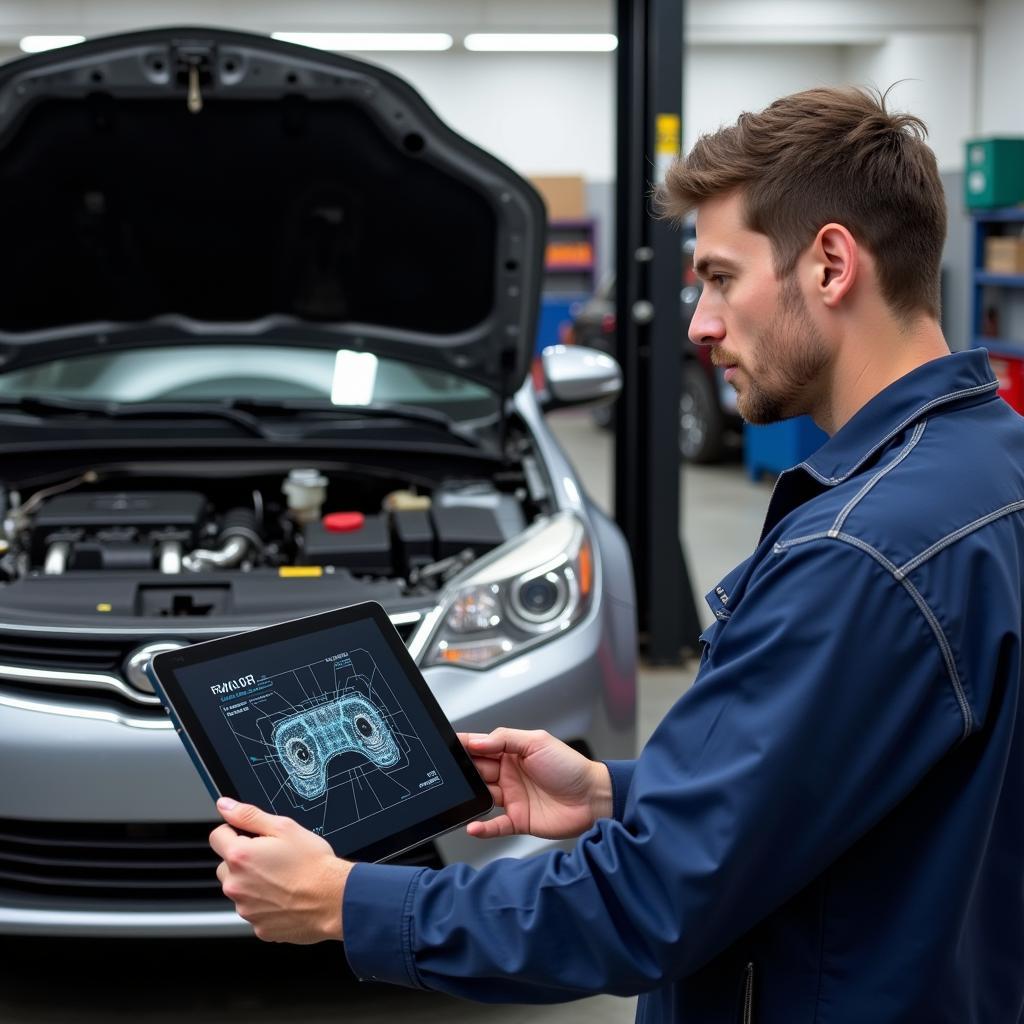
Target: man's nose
pixel 705 327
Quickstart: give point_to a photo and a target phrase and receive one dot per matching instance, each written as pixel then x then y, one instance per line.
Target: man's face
pixel 758 326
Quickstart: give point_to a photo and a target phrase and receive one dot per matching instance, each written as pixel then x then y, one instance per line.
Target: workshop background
pixel 547 107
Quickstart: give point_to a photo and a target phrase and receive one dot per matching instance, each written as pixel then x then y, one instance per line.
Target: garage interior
pixel 561 115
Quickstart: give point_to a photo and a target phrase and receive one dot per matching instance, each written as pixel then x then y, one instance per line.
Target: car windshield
pixel 227 373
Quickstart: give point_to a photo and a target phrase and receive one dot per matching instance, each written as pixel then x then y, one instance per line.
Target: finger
pixel 249 818
pixel 488 768
pixel 493 828
pixel 503 741
pixel 496 795
pixel 222 871
pixel 221 838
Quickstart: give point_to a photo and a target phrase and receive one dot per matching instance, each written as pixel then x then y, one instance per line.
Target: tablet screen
pixel 328 728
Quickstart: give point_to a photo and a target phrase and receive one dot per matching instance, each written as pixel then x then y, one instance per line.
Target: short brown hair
pixel 824 155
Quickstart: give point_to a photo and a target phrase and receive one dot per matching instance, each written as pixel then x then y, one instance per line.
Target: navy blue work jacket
pixel 828 826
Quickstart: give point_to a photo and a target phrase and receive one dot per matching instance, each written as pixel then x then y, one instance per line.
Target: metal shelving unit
pixel 986 224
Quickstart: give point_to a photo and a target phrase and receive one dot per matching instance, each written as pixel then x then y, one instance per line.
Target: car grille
pixel 136 863
pixel 83 665
pixel 64 654
pixel 126 862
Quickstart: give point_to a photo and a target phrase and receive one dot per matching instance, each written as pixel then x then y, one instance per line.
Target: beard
pixel 792 357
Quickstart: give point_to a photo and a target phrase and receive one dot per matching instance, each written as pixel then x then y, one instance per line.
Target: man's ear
pixel 836 259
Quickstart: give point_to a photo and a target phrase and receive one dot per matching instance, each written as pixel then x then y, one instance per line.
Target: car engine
pixel 144 548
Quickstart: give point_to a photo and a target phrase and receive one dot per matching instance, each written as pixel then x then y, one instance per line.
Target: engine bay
pixel 174 547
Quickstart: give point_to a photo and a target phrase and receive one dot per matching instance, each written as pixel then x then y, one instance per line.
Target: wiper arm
pixel 116 410
pixel 410 413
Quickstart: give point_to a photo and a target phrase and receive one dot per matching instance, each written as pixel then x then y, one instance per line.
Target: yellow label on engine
pixel 295 572
pixel 104 607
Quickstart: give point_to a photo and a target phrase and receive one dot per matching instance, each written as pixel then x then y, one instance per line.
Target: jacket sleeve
pixel 621 774
pixel 823 700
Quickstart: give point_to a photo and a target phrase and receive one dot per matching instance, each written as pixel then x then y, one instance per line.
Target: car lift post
pixel 648 274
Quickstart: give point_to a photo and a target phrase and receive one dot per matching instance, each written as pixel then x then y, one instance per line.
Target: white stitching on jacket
pixel 952 396
pixel 952 538
pixel 844 513
pixel 944 647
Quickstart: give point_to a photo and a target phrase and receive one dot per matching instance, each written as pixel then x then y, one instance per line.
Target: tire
pixel 701 424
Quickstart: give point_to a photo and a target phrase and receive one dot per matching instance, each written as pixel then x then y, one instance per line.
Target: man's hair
pixel 829 155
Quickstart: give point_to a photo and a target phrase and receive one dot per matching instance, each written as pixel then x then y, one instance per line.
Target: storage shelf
pixel 1012 213
pixel 1003 280
pixel 571 223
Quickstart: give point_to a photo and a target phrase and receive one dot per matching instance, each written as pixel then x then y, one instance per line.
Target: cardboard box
pixel 563 195
pixel 1004 254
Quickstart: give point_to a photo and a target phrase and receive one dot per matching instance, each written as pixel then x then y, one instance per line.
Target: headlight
pixel 521 594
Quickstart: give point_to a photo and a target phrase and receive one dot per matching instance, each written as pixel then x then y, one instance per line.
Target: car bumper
pixel 80 766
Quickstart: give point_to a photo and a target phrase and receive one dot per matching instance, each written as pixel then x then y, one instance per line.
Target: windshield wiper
pixel 244 412
pixel 117 410
pixel 409 413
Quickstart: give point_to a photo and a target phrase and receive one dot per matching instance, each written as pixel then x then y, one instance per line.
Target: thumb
pixel 503 741
pixel 248 818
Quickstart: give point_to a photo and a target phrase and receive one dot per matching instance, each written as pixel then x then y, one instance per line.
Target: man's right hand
pixel 545 788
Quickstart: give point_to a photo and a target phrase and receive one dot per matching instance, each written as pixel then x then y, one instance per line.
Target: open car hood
pixel 191 184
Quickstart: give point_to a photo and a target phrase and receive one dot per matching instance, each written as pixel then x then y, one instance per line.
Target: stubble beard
pixel 792 358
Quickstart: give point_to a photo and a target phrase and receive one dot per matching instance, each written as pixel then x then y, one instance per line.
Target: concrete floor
pixel 91 981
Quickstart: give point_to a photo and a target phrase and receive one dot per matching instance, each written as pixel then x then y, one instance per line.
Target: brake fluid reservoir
pixel 306 490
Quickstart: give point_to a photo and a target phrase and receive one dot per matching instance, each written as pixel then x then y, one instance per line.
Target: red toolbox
pixel 1009 371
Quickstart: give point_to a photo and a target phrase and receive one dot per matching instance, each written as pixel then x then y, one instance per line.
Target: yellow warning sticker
pixel 666 134
pixel 104 607
pixel 666 143
pixel 295 572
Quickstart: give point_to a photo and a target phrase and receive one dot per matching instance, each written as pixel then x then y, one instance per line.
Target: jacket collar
pixel 960 377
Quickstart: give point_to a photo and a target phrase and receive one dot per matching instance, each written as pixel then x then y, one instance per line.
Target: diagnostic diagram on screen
pixel 330 736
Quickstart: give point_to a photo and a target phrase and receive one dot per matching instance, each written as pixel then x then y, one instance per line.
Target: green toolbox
pixel 994 172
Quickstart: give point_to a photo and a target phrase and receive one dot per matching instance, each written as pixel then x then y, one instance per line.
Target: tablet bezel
pixel 164 667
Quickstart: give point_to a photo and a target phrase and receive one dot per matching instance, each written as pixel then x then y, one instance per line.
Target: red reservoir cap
pixel 343 522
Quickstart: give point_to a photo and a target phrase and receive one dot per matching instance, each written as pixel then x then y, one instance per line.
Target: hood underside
pixel 298 194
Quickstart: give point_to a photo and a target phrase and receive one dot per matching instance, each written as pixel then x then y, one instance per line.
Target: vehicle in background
pixel 710 428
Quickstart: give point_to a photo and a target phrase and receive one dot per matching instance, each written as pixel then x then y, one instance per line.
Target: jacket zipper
pixel 748 995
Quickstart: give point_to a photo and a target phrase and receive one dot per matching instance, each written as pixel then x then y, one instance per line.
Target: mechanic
pixel 827 826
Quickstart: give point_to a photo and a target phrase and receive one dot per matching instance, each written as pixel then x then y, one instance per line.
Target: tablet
pixel 325 719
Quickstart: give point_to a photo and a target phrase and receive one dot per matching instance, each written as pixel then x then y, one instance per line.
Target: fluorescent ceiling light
pixel 369 40
pixel 548 42
pixel 37 44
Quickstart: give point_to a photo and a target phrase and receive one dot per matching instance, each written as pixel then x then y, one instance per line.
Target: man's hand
pixel 283 879
pixel 546 788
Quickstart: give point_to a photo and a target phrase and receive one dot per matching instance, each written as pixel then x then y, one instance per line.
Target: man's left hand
pixel 283 879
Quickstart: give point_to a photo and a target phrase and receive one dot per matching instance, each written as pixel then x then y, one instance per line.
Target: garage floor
pixel 91 981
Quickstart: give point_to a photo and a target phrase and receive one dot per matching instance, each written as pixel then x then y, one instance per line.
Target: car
pixel 710 427
pixel 265 349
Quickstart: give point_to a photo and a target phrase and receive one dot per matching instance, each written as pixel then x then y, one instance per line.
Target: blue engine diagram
pixel 306 742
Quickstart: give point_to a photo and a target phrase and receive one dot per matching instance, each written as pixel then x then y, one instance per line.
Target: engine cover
pixel 149 509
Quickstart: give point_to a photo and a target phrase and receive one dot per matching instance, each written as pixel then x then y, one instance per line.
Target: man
pixel 827 827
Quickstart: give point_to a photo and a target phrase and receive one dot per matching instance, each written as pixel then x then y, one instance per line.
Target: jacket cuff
pixel 621 773
pixel 377 920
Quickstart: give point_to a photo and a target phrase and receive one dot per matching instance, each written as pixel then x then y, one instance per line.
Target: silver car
pixel 266 340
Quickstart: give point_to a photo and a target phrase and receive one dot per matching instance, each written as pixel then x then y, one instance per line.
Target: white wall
pixel 933 76
pixel 541 113
pixel 1002 68
pixel 723 81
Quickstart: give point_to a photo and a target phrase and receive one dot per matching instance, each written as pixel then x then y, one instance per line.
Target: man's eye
pixel 719 279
